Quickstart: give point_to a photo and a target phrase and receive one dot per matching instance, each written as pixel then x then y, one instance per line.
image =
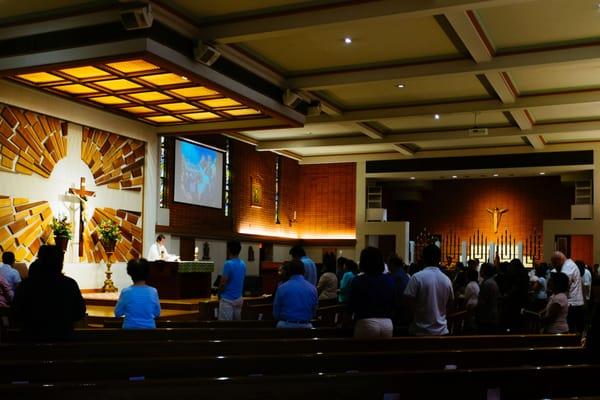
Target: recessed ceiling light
pixel 436 117
pixel 401 85
pixel 348 40
pixel 454 176
pixel 542 173
pixel 185 78
pixel 495 175
pixel 412 178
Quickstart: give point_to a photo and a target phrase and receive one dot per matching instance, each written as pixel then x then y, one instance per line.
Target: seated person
pixel 327 286
pixel 48 302
pixel 139 302
pixel 296 300
pixel 6 293
pixel 158 251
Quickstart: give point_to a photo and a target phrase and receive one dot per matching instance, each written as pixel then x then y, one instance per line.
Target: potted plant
pixel 110 234
pixel 61 229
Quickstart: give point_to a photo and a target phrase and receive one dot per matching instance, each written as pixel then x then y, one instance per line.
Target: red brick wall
pixel 461 206
pixel 327 199
pixel 321 195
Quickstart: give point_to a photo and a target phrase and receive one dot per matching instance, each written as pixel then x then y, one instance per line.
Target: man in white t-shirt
pixel 428 296
pixel 158 251
pixel 576 315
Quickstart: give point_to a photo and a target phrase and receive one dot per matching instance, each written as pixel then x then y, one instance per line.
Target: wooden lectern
pixel 181 280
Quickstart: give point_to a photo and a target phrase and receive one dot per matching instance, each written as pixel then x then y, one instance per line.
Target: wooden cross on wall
pixel 83 195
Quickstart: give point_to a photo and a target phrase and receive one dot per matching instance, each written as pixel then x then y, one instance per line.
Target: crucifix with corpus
pixel 82 195
pixel 496 215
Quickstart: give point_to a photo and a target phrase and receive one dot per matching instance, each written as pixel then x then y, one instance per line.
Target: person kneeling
pixel 139 302
pixel 296 300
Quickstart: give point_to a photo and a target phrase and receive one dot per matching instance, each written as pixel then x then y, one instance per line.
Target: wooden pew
pixel 131 349
pixel 115 334
pixel 524 382
pixel 193 323
pixel 156 368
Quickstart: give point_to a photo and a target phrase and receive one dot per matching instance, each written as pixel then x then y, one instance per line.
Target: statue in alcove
pixel 250 253
pixel 206 251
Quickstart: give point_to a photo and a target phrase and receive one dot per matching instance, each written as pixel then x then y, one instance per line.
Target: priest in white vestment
pixel 158 251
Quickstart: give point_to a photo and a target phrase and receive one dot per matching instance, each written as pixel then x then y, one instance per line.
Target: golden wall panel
pixel 30 143
pixel 24 226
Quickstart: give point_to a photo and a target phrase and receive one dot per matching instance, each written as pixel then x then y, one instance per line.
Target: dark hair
pixel 296 267
pixel 432 255
pixel 341 261
pixel 8 257
pixel 329 262
pixel 487 270
pixel 560 282
pixel 160 237
pixel 580 266
pixel 351 266
pixel 297 252
pixel 49 262
pixel 138 269
pixel 460 266
pixel 395 263
pixel 541 270
pixel 472 263
pixel 234 247
pixel 371 261
pixel 472 275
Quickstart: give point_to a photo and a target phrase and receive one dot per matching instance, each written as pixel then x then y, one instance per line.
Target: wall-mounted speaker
pixel 137 18
pixel 206 54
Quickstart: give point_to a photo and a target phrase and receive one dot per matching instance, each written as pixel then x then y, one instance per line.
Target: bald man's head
pixel 558 259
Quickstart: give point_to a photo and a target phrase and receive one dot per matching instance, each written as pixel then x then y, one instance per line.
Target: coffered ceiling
pixel 394 79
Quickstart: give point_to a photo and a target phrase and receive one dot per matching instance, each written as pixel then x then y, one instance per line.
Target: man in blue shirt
pixel 310 268
pixel 7 271
pixel 296 300
pixel 231 287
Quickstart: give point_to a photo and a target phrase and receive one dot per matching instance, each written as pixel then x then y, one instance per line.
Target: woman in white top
pixel 472 289
pixel 554 317
pixel 158 251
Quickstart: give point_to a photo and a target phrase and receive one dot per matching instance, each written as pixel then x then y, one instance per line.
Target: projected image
pixel 198 175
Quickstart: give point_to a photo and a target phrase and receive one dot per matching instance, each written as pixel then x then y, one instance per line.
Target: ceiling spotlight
pixel 185 78
pixel 436 117
pixel 348 40
pixel 495 175
pixel 401 85
pixel 454 176
pixel 542 173
pixel 412 178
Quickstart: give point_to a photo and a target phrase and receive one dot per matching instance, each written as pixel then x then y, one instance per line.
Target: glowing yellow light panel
pixel 150 96
pixel 138 110
pixel 85 72
pixel 128 67
pixel 118 84
pixel 109 100
pixel 165 79
pixel 40 77
pixel 75 89
pixel 242 111
pixel 163 118
pixel 178 106
pixel 220 103
pixel 193 92
pixel 201 115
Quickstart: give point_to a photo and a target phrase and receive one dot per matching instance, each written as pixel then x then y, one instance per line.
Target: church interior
pixel 168 129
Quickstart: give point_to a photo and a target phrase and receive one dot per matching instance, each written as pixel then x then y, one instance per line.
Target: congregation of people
pixel 384 298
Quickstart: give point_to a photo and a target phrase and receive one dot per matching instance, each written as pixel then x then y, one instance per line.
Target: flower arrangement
pixel 109 231
pixel 61 227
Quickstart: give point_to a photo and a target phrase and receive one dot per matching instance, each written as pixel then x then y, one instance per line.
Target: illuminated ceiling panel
pixel 165 79
pixel 216 103
pixel 196 91
pixel 85 72
pixel 128 67
pixel 201 115
pixel 76 89
pixel 118 84
pixel 142 90
pixel 40 77
pixel 242 111
pixel 178 107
